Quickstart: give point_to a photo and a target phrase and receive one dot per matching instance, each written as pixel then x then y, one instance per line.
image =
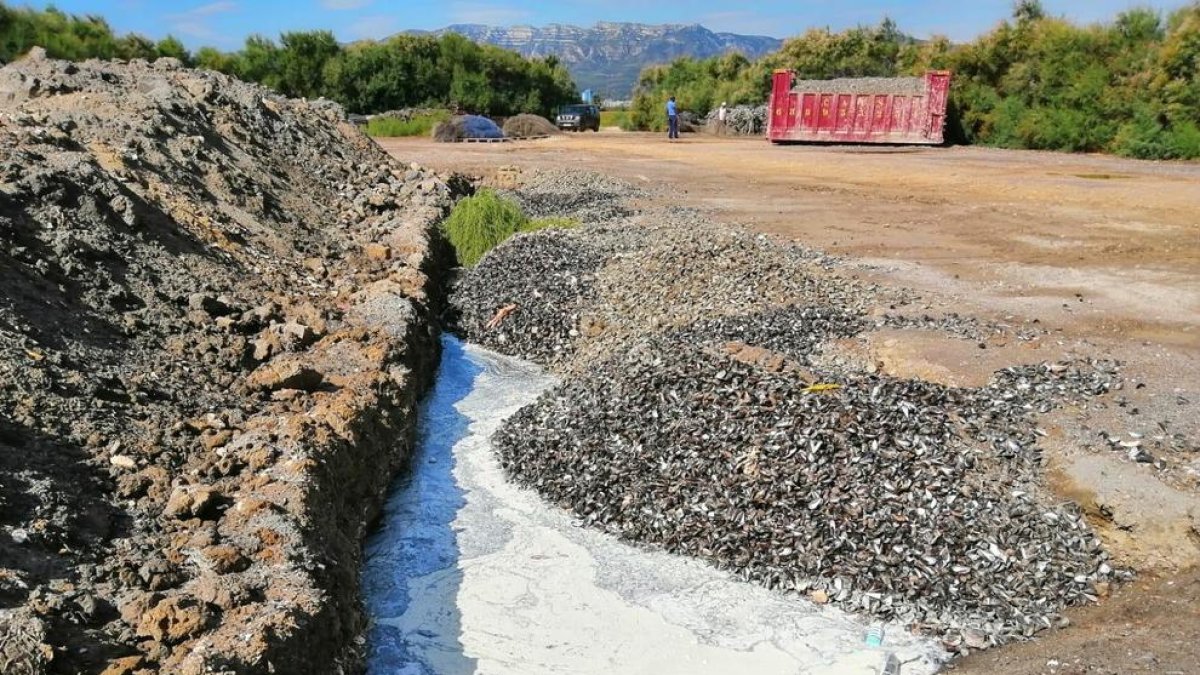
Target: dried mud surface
pixel 215 323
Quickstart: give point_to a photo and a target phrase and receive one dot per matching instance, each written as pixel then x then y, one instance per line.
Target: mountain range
pixel 608 57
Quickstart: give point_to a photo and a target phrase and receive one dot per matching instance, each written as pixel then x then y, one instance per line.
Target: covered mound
pixel 525 125
pixel 461 127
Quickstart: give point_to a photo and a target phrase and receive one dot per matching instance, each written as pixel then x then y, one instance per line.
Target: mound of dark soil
pixel 213 330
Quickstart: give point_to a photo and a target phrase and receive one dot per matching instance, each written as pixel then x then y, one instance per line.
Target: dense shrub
pixel 481 222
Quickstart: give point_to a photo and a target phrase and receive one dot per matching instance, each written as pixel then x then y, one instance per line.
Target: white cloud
pixel 374 27
pixel 194 23
pixel 341 5
pixel 492 15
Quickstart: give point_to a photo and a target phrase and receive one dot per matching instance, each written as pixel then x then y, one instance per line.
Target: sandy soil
pixel 1100 256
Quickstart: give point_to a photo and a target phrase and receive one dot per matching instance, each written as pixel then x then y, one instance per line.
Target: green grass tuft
pixel 418 125
pixel 480 223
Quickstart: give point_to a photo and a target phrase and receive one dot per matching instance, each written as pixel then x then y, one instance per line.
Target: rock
pixel 158 574
pixel 215 439
pixel 176 619
pixel 87 605
pixel 285 375
pixel 297 335
pixel 975 639
pixel 167 63
pixel 225 559
pixel 267 345
pixel 377 252
pixel 123 462
pixel 126 665
pixel 263 315
pixel 192 501
pixel 208 304
pixel 134 605
pixel 818 596
pixel 23 647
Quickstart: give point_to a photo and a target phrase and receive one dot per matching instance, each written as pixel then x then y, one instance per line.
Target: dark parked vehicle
pixel 578 117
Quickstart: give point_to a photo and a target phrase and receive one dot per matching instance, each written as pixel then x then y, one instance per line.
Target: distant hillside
pixel 608 56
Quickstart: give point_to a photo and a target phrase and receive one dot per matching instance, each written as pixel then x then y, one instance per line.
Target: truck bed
pixel 900 110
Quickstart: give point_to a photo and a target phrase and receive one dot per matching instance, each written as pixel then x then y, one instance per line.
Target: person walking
pixel 722 113
pixel 672 120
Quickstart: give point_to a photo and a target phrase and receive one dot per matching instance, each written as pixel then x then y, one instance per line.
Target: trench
pixel 469 573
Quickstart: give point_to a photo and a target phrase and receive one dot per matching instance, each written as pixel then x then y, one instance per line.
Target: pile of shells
pixel 965 327
pixel 899 498
pixel 524 298
pixel 898 86
pixel 585 196
pixel 693 416
pixel 741 120
pixel 648 273
pixel 792 332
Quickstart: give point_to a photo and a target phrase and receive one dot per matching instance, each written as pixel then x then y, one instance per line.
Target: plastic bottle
pixel 875 636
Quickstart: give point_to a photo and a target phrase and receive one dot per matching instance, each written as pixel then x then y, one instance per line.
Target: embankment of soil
pixel 216 319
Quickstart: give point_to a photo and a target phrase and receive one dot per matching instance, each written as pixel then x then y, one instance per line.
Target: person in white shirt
pixel 721 114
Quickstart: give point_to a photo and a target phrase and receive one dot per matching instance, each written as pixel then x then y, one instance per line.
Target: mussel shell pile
pixel 588 197
pixel 548 276
pixel 794 332
pixel 965 327
pixel 740 120
pixel 899 498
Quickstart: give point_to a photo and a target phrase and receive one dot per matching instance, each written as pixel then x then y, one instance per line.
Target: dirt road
pixel 1100 256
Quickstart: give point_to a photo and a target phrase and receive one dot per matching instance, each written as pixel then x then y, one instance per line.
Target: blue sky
pixel 225 23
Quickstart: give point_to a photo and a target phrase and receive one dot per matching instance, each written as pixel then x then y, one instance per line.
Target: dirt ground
pixel 1092 257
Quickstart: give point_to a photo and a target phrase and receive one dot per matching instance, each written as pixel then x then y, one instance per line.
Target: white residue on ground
pixel 471 574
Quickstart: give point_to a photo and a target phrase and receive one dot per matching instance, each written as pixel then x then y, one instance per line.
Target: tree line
pixel 1130 86
pixel 366 77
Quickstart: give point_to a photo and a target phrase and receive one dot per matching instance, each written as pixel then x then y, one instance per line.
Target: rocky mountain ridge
pixel 608 56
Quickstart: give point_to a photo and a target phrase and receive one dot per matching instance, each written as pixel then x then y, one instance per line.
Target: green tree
pixel 209 58
pixel 258 61
pixel 172 47
pixel 1028 11
pixel 302 58
pixel 136 47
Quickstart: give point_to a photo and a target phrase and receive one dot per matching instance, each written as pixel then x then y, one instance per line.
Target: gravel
pixel 897 86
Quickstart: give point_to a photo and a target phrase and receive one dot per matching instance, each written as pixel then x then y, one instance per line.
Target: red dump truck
pixel 904 110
